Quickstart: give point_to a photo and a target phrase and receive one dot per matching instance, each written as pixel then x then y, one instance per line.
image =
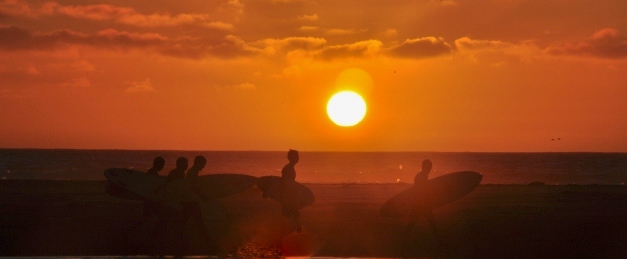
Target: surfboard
pixel 119 192
pixel 206 187
pixel 296 193
pixel 435 193
pixel 128 181
pixel 201 188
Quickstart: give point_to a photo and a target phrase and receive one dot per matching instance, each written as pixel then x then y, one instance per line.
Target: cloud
pixel 390 33
pixel 77 82
pixel 342 32
pixel 292 43
pixel 524 48
pixel 227 47
pixel 140 86
pixel 129 16
pixel 114 37
pixel 286 1
pixel 99 12
pixel 84 66
pixel 362 49
pixel 21 8
pixel 421 48
pixel 308 28
pixel 236 87
pixel 105 12
pixel 309 18
pixel 605 43
pixel 466 43
pixel 235 6
pixel 15 38
pixel 230 46
pixel 245 86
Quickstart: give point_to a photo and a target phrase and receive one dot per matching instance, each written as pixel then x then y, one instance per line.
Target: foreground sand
pixel 494 221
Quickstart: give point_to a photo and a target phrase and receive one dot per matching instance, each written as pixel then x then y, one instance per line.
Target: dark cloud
pixel 106 12
pixel 227 47
pixel 422 48
pixel 605 43
pixel 15 38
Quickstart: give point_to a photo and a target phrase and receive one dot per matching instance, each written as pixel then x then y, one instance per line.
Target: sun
pixel 346 108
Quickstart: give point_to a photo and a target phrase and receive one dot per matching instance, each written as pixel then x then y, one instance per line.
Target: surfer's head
pixel 158 163
pixel 181 163
pixel 199 162
pixel 292 156
pixel 426 166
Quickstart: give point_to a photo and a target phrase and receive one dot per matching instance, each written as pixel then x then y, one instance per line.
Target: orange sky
pixel 476 75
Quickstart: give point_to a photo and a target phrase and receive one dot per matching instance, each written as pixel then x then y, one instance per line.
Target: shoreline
pixel 76 218
pixel 347 184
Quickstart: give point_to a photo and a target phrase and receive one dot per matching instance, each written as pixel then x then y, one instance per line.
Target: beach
pixel 77 218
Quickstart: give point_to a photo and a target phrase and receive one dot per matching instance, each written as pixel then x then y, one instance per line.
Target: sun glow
pixel 346 108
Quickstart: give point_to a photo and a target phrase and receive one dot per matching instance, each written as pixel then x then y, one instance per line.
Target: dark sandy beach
pixel 64 218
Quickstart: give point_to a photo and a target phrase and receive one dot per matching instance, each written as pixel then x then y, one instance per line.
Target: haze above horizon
pixel 445 76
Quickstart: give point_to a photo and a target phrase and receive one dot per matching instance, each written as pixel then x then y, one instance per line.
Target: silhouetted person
pixel 199 164
pixel 288 175
pixel 172 221
pixel 157 166
pixel 423 176
pixel 420 181
pixel 192 209
pixel 151 207
pixel 178 172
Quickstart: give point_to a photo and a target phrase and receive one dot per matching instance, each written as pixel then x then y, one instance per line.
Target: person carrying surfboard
pixel 150 207
pixel 192 209
pixel 157 165
pixel 171 220
pixel 420 181
pixel 288 174
pixel 178 172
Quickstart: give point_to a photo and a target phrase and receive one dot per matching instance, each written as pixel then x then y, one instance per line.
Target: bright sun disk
pixel 346 108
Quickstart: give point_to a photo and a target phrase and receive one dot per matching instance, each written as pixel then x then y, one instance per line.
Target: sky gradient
pixel 451 75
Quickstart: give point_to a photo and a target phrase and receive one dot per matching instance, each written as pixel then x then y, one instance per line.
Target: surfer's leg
pixel 160 232
pixel 296 217
pixel 434 229
pixel 181 239
pixel 197 216
pixel 407 237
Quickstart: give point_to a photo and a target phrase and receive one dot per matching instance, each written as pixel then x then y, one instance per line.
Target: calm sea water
pixel 327 167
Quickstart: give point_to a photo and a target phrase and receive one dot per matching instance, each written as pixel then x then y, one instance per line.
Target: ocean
pixel 327 167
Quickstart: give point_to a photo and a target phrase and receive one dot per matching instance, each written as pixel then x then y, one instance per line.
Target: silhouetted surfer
pixel 173 221
pixel 288 173
pixel 199 164
pixel 178 172
pixel 151 207
pixel 420 181
pixel 157 166
pixel 192 209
